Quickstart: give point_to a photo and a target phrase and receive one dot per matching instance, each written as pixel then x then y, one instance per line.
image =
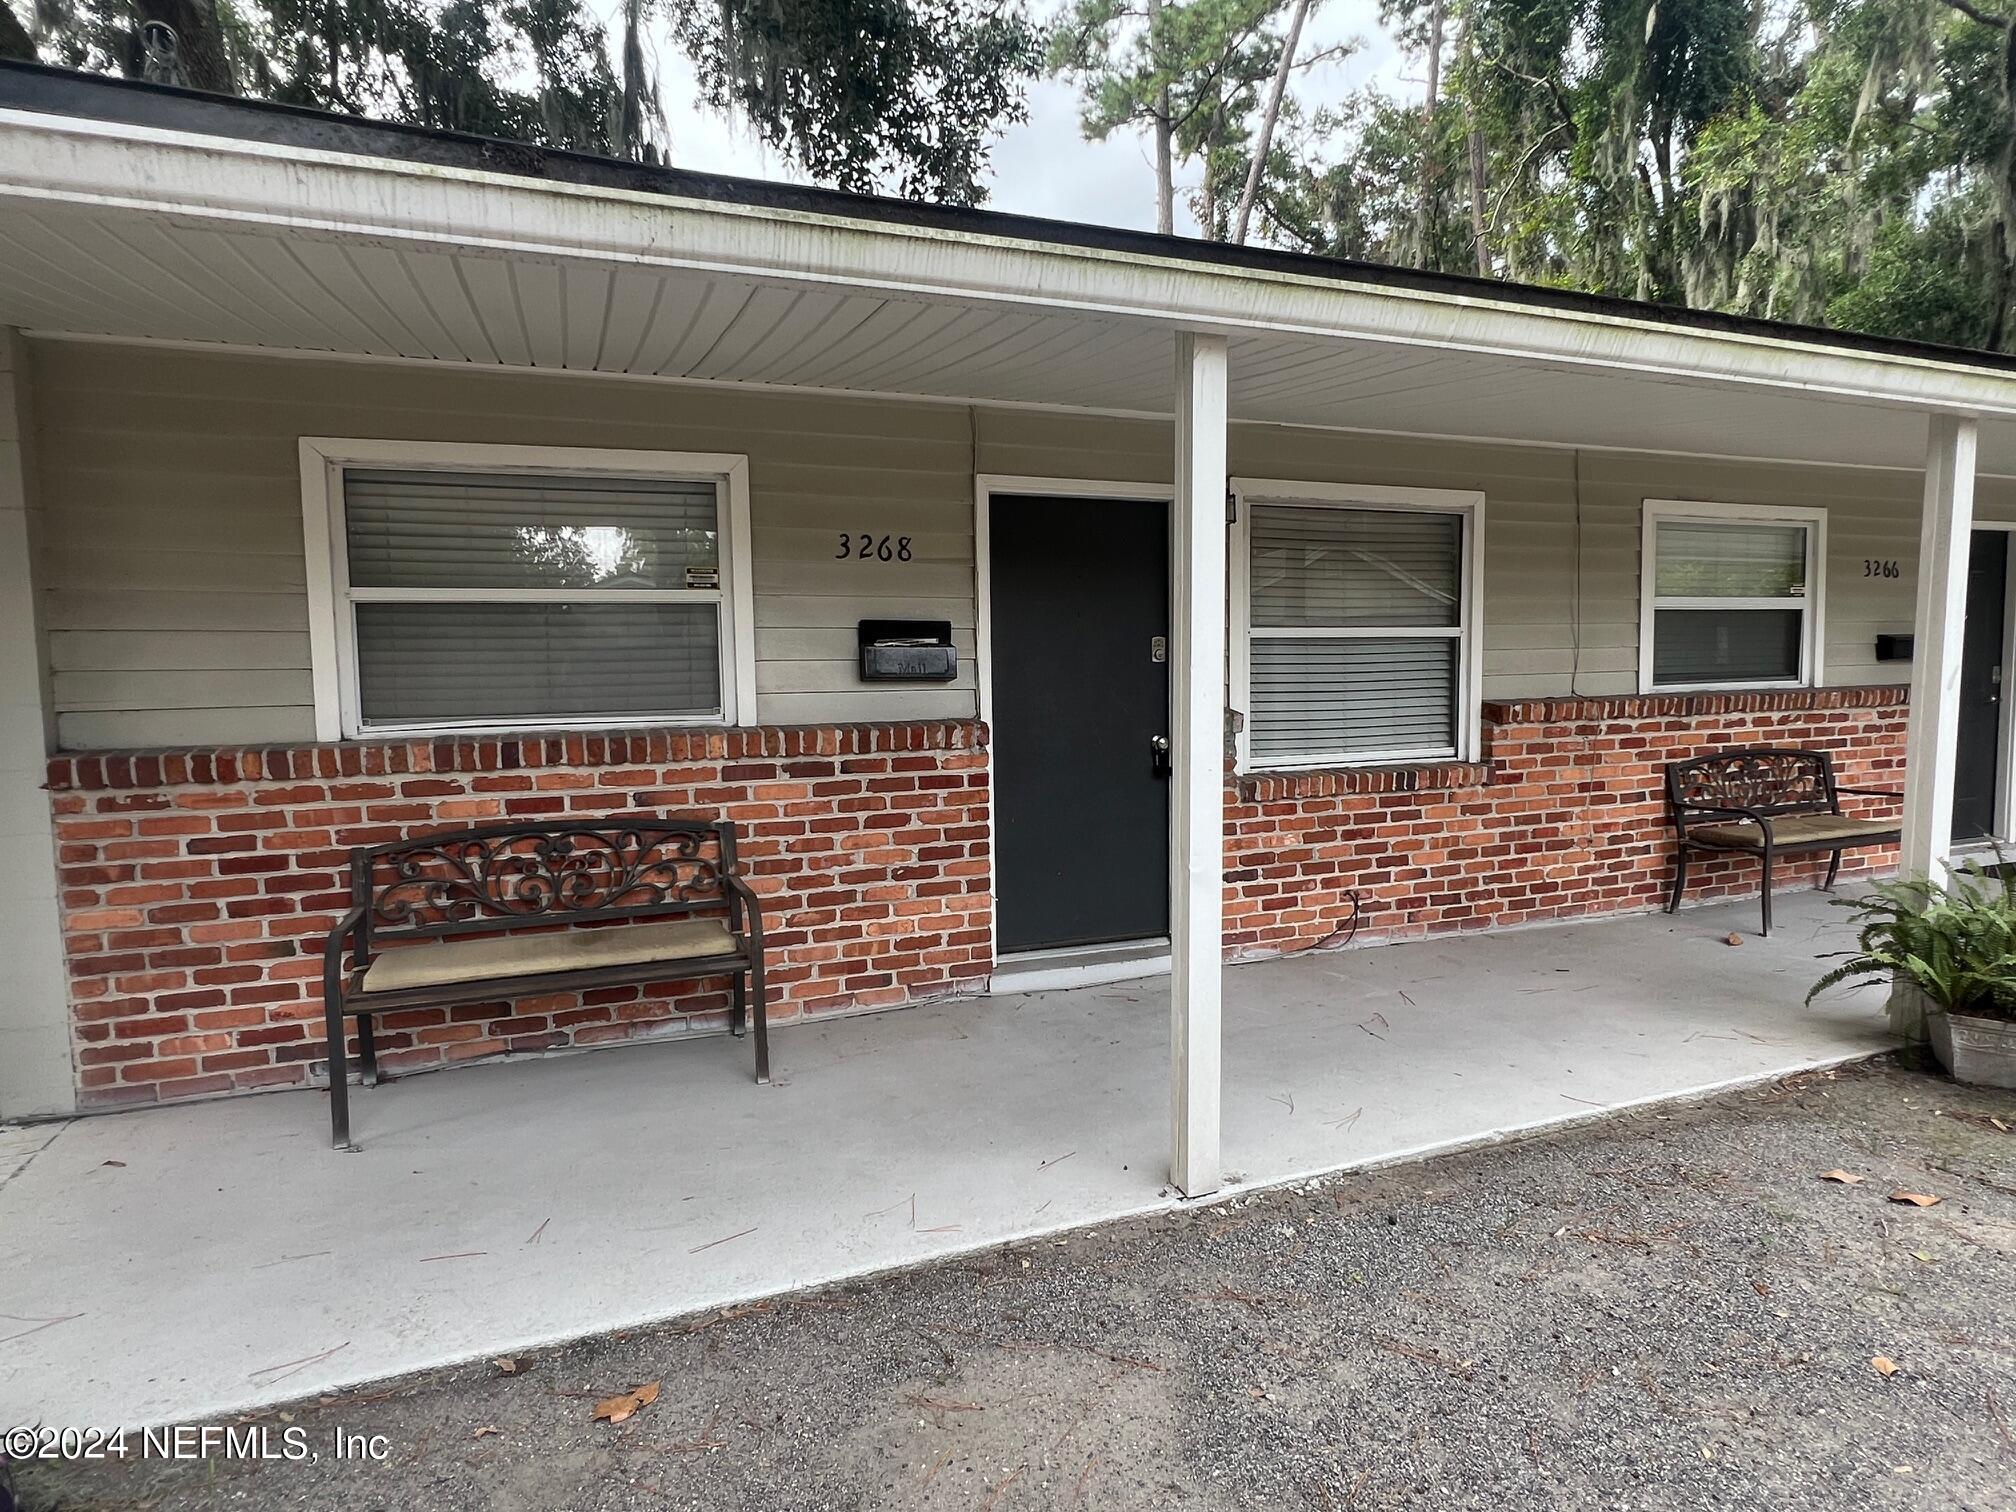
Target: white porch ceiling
pixel 96 265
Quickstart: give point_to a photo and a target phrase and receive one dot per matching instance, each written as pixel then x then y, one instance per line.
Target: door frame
pixel 2005 756
pixel 985 486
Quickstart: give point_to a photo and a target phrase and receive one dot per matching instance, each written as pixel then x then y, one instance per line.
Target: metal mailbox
pixel 907 651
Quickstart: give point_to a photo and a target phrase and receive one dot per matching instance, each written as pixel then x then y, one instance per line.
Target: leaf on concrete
pixel 1733 939
pixel 505 1365
pixel 1916 1199
pixel 618 1409
pixel 485 1431
pixel 1846 1178
pixel 1884 1365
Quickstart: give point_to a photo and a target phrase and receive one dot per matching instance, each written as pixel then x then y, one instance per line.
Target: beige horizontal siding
pixel 1562 530
pixel 174 588
pixel 173 571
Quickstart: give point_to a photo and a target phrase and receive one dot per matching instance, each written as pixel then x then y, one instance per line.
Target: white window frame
pixel 1468 633
pixel 1813 603
pixel 332 620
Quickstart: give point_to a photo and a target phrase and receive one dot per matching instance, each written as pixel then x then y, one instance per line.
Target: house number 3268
pixel 868 548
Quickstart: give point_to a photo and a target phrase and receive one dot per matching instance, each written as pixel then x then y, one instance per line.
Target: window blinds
pixel 479 530
pixel 1732 559
pixel 485 598
pixel 479 663
pixel 1361 697
pixel 1355 567
pixel 1355 624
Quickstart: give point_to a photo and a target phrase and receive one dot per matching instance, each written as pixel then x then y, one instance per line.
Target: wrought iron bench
pixel 1767 801
pixel 513 910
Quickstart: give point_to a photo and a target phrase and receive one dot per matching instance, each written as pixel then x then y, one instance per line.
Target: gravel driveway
pixel 1665 1310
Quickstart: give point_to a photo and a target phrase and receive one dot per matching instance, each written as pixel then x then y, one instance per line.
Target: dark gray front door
pixel 1079 595
pixel 1977 773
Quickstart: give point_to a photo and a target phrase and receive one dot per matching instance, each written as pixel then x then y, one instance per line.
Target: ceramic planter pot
pixel 1978 1051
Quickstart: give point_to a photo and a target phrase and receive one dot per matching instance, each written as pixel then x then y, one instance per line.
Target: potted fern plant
pixel 1948 950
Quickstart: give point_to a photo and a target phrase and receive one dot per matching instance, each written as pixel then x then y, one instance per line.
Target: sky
pixel 1045 166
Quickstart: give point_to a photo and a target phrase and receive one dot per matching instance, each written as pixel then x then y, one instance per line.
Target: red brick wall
pixel 1565 818
pixel 197 886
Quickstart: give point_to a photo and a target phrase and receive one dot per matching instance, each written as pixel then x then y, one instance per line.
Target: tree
pixel 1431 107
pixel 1474 160
pixel 1367 205
pixel 1123 60
pixel 861 92
pixel 1269 119
pixel 1223 54
pixel 1846 161
pixel 15 42
pixel 866 91
pixel 1928 283
pixel 1194 74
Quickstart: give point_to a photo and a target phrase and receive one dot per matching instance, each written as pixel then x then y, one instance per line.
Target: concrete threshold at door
pixel 1084 966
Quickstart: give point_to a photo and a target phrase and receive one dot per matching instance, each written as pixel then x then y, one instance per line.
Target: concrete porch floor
pixel 179 1263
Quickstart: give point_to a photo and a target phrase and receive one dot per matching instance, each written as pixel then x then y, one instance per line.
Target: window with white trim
pixel 1731 596
pixel 1358 624
pixel 468 596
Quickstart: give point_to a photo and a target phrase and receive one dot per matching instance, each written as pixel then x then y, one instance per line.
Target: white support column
pixel 1197 794
pixel 35 1068
pixel 1932 746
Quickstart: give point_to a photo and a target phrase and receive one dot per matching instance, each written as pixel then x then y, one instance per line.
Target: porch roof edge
pixel 59 91
pixel 858 239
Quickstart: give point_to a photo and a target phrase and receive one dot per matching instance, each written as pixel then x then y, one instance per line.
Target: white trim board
pixel 331 625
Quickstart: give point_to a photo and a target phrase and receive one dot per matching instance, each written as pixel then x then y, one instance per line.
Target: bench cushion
pixel 518 955
pixel 1793 829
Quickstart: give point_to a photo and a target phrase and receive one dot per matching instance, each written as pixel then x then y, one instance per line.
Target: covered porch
pixel 212 311
pixel 370 259
pixel 182 1263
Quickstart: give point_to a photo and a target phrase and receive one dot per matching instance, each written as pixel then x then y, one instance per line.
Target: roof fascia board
pixel 87 163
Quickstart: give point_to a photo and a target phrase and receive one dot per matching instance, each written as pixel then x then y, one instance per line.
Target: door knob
pixel 1159 746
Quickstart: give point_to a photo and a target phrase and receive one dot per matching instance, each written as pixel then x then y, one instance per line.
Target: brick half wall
pixel 197 886
pixel 1565 818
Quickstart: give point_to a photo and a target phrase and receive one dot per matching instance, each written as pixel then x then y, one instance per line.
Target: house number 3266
pixel 1871 567
pixel 868 548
